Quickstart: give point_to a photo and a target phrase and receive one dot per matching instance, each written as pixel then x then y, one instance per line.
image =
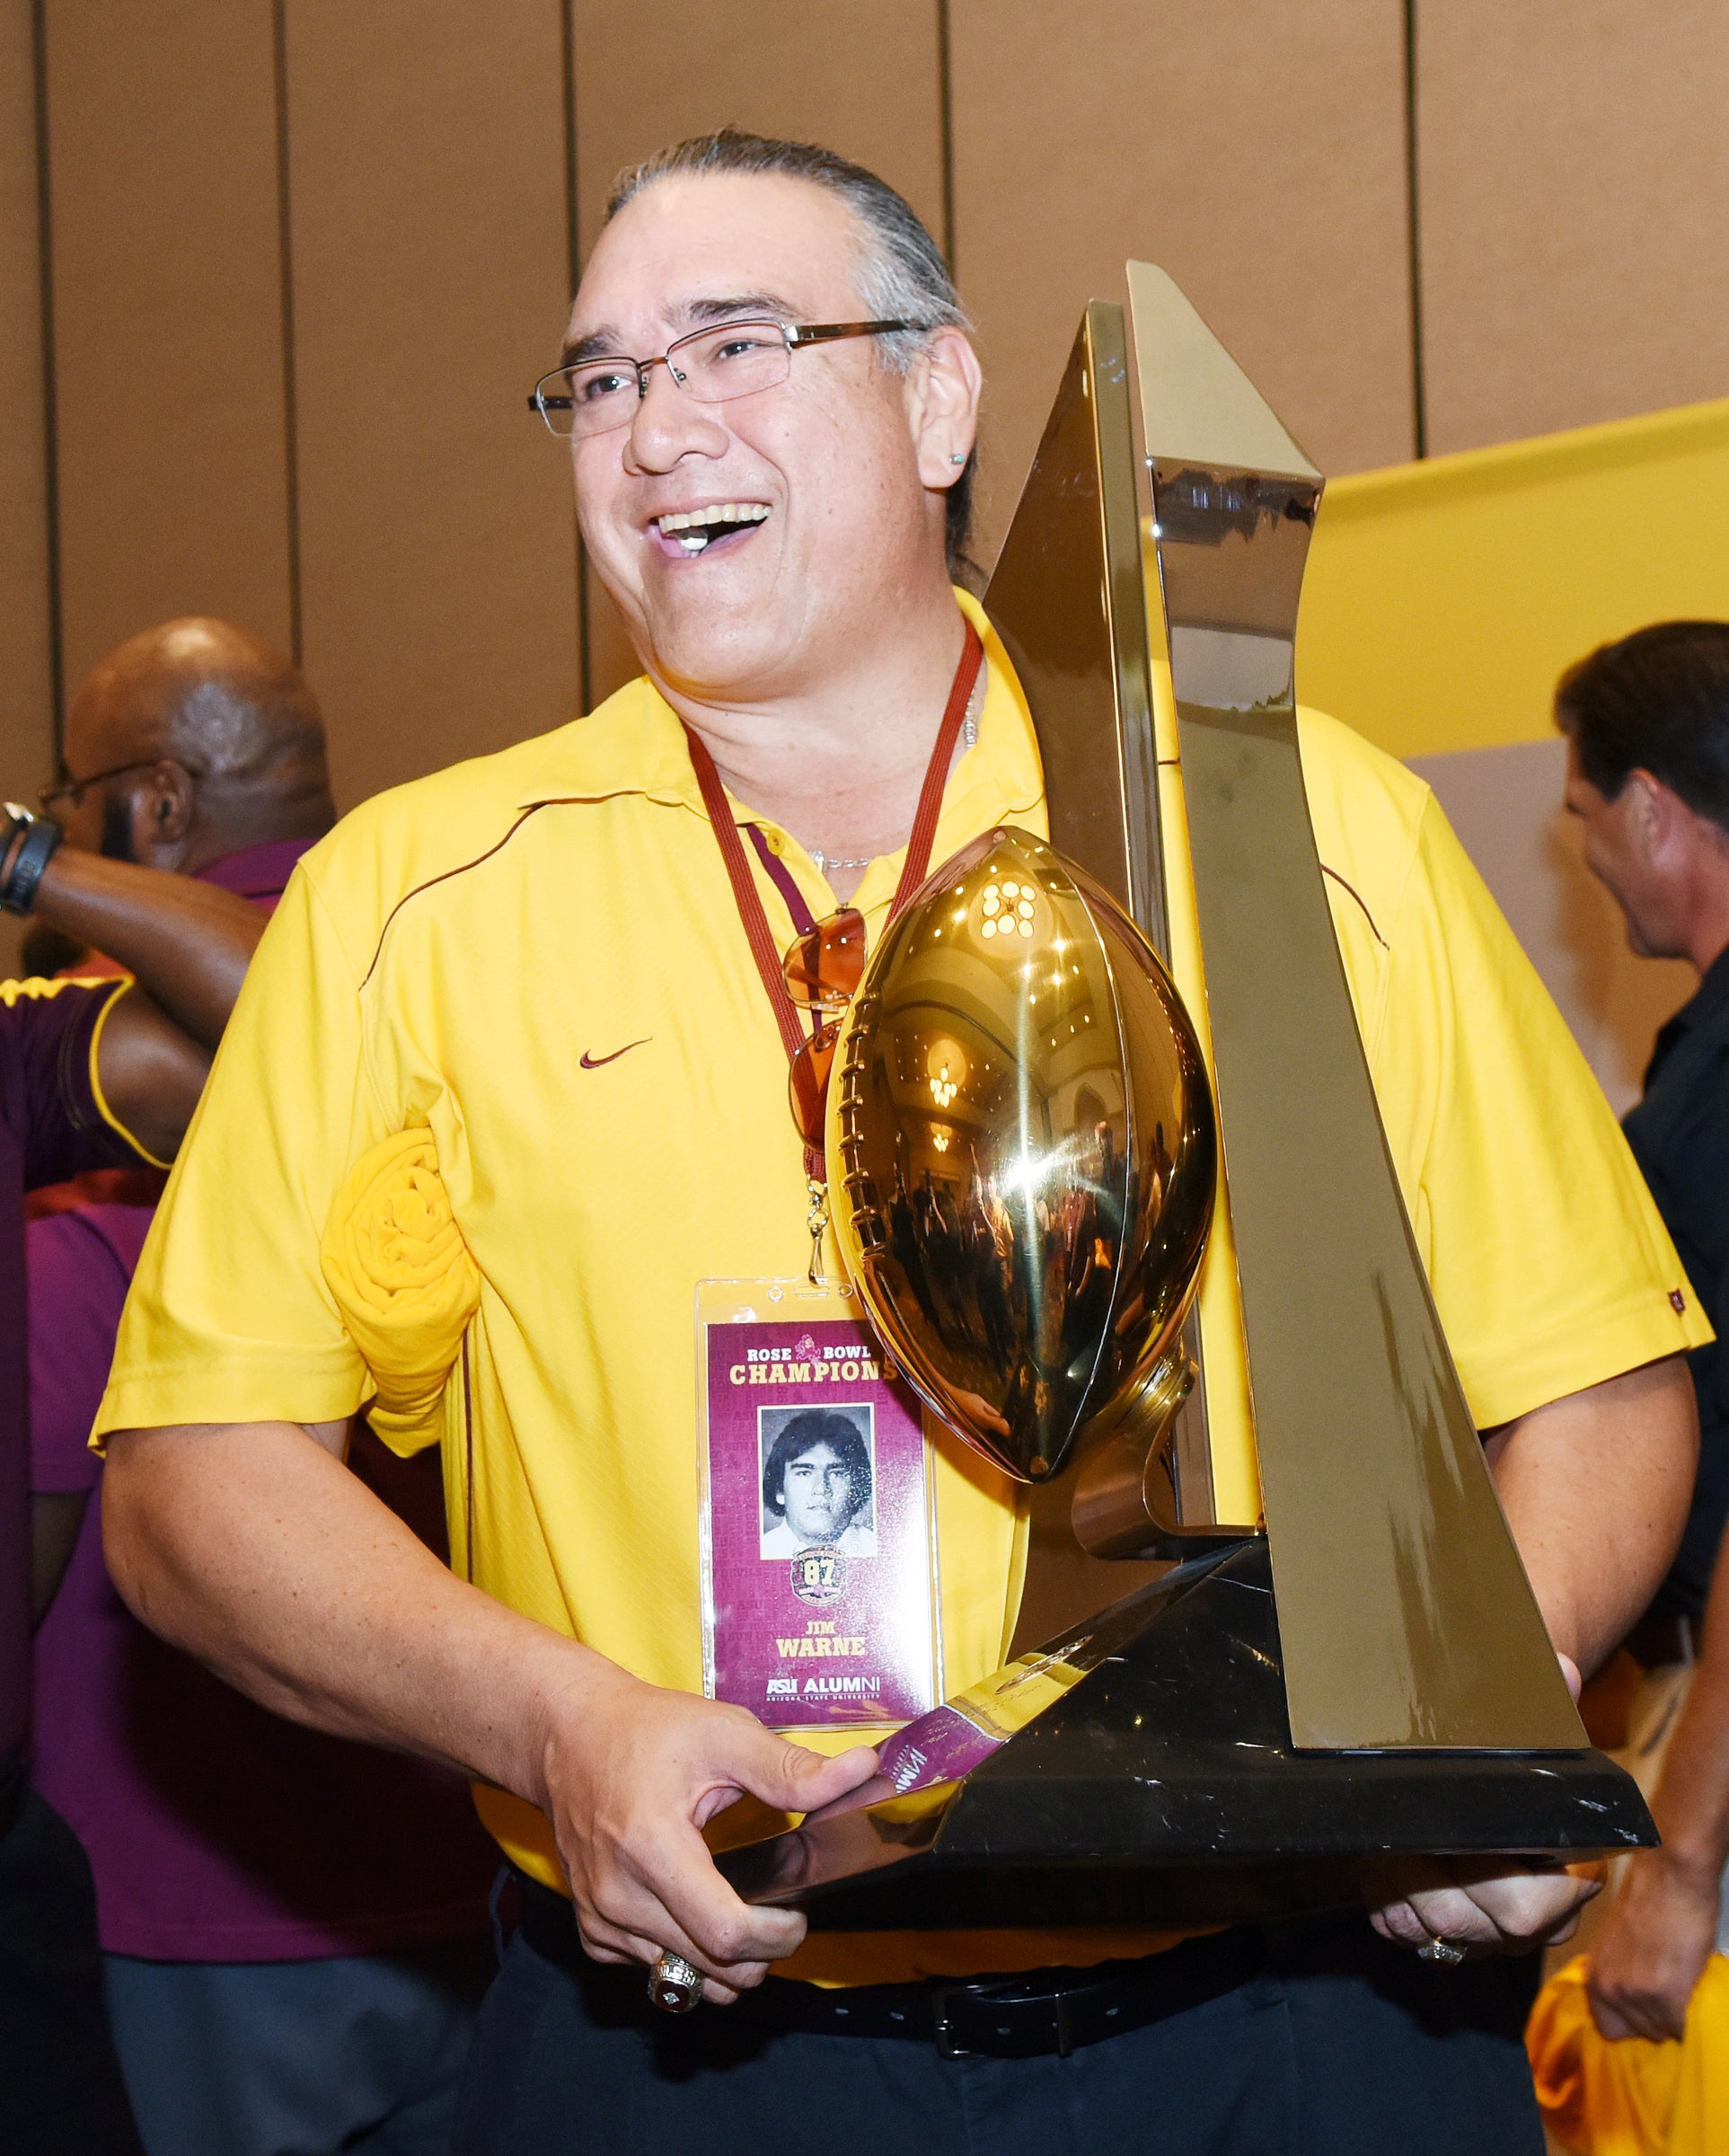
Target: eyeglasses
pixel 72 790
pixel 822 969
pixel 734 359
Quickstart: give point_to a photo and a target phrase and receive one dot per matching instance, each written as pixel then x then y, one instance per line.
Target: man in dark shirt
pixel 93 1074
pixel 1679 1135
pixel 1647 727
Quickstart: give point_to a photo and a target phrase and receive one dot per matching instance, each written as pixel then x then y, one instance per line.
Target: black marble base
pixel 1164 1788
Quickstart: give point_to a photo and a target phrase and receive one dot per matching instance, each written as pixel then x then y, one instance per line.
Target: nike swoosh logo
pixel 594 1063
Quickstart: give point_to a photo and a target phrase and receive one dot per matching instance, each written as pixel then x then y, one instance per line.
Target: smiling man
pixel 492 1196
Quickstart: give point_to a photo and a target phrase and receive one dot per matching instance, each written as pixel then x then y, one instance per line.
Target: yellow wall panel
pixel 1573 175
pixel 1443 599
pixel 430 257
pixel 864 81
pixel 167 317
pixel 1254 148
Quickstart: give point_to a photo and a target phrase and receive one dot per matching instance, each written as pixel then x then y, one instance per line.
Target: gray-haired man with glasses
pixel 543 967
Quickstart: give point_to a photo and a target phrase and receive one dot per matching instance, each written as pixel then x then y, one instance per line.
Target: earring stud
pixel 960 457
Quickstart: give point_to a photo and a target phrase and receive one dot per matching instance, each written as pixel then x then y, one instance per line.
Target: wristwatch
pixel 25 858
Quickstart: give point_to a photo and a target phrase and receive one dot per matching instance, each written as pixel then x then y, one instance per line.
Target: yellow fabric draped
pixel 1632 2098
pixel 394 1259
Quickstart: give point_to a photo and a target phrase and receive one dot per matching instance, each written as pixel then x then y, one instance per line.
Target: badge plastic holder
pixel 818 1512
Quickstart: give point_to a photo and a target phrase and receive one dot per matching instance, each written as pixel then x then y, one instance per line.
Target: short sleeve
pixel 77 1284
pixel 48 1036
pixel 1550 1265
pixel 229 1320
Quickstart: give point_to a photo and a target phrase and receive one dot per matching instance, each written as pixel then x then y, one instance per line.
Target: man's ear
pixel 1656 815
pixel 944 383
pixel 162 810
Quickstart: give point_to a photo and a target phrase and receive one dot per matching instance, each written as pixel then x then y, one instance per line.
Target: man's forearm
pixel 1691 1804
pixel 1595 1487
pixel 255 1549
pixel 188 943
pixel 1646 1959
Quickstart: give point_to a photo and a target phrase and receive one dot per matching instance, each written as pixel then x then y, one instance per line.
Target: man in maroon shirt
pixel 294 1928
pixel 93 1074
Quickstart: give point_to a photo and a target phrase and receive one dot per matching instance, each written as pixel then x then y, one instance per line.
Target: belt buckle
pixel 1055 2031
pixel 947 2045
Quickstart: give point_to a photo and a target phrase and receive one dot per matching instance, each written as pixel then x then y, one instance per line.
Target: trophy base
pixel 1164 1790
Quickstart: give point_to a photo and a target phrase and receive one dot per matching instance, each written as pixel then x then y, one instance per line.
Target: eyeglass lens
pixel 808 1078
pixel 822 969
pixel 824 966
pixel 736 359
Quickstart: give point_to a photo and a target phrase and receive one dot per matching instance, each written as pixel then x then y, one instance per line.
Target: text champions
pixel 775 1366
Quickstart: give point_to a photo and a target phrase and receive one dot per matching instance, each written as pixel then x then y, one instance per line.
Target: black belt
pixel 1021 2017
pixel 15 1779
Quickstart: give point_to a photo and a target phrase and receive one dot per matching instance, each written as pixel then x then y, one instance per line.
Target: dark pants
pixel 362 2053
pixel 1337 2044
pixel 60 2088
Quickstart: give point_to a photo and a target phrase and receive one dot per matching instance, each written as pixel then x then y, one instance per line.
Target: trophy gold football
pixel 1018 1041
pixel 1109 1178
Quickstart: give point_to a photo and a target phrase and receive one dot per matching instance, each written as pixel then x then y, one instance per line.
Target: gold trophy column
pixel 1404 1610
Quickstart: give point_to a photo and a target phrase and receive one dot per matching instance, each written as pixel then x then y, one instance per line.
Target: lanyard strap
pixel 783 879
pixel 748 899
pixel 804 921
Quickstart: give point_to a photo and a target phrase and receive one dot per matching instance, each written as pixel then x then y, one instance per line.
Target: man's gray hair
pixel 902 274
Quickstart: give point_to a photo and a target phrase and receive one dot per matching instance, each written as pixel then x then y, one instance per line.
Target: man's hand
pixel 632 1774
pixel 251 1546
pixel 1476 1904
pixel 1486 1906
pixel 1653 1949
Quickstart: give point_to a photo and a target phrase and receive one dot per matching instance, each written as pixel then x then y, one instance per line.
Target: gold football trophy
pixel 1209 1714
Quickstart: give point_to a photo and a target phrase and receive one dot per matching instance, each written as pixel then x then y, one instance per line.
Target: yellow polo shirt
pixel 537 957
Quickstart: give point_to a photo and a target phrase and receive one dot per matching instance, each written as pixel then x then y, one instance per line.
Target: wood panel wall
pixel 26 645
pixel 1573 173
pixel 306 259
pixel 168 346
pixel 1254 148
pixel 27 687
pixel 428 214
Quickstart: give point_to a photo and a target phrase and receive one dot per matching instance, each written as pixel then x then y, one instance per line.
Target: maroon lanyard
pixel 748 899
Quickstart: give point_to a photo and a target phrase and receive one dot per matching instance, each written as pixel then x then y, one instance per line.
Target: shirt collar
pixel 634 744
pixel 260 871
pixel 1707 999
pixel 1712 993
pixel 1708 1004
